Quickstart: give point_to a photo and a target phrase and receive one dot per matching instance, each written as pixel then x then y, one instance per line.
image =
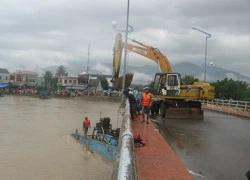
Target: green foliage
pixel 54 83
pixel 48 77
pixel 104 82
pixel 188 79
pixel 39 88
pixel 61 71
pixel 229 88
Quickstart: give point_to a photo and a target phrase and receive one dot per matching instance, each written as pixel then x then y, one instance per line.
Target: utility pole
pixel 88 58
pixel 125 57
pixel 207 36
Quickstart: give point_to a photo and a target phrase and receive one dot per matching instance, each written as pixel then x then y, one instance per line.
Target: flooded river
pixel 35 141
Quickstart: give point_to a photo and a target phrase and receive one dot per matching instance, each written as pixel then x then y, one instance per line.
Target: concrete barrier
pixel 125 158
pixel 237 108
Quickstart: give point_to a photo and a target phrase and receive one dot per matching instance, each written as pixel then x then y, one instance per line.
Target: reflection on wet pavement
pixel 216 148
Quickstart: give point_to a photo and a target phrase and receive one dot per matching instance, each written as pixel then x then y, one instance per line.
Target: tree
pixel 48 76
pixel 54 83
pixel 61 71
pixel 104 82
pixel 229 88
pixel 188 79
pixel 39 88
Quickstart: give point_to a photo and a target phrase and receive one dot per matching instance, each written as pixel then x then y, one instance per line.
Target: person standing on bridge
pixel 86 125
pixel 138 98
pixel 132 101
pixel 146 104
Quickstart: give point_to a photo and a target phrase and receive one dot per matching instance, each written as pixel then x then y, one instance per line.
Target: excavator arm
pixel 117 56
pixel 151 53
pixel 147 51
pixel 171 80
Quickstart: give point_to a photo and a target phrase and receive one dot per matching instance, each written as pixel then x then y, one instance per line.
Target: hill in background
pixel 144 74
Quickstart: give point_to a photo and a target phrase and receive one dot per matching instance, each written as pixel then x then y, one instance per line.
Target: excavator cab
pixel 167 84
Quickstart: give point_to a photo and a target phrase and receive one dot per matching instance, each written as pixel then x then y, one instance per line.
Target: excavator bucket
pixel 117 82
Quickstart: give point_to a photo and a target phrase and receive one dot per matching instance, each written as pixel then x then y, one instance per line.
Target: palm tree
pixel 61 71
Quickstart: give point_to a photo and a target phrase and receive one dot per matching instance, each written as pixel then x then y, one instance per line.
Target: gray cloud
pixel 44 33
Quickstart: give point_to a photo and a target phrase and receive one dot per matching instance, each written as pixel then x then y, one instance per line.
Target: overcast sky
pixel 41 33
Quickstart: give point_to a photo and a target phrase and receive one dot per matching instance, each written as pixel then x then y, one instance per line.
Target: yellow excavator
pixel 170 99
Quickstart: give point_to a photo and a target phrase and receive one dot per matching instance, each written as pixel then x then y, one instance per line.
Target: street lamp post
pixel 207 36
pixel 125 52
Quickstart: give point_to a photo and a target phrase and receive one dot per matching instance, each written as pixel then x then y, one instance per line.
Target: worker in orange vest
pixel 146 104
pixel 86 125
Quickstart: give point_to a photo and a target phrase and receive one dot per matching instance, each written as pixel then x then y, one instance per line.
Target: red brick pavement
pixel 156 160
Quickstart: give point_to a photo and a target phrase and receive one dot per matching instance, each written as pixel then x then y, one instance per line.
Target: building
pixel 69 82
pixel 94 85
pixel 4 78
pixel 26 79
pixel 82 81
pixel 84 78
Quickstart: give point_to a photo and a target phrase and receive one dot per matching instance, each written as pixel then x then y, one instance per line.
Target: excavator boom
pixel 172 80
pixel 152 54
pixel 147 51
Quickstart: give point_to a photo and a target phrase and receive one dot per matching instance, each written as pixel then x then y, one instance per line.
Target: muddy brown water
pixel 35 141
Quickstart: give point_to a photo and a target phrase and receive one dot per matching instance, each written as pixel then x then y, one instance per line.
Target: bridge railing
pixel 237 105
pixel 124 168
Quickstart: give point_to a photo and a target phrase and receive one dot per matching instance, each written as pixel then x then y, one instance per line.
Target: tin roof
pixel 4 71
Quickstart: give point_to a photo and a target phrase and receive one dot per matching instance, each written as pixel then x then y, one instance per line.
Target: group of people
pixel 139 103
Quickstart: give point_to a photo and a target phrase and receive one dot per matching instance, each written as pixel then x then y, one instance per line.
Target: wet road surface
pixel 217 148
pixel 35 141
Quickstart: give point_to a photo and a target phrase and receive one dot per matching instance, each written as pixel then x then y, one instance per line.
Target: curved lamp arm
pixel 208 35
pixel 130 28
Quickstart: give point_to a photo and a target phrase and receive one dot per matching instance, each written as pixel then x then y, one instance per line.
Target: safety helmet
pixel 146 88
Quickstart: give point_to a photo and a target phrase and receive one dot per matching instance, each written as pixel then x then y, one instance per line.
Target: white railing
pixel 238 105
pixel 124 168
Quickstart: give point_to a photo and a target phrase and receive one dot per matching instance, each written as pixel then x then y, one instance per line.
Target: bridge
pixel 159 159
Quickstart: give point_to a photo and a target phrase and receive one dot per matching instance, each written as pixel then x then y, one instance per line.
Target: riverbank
pixel 89 98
